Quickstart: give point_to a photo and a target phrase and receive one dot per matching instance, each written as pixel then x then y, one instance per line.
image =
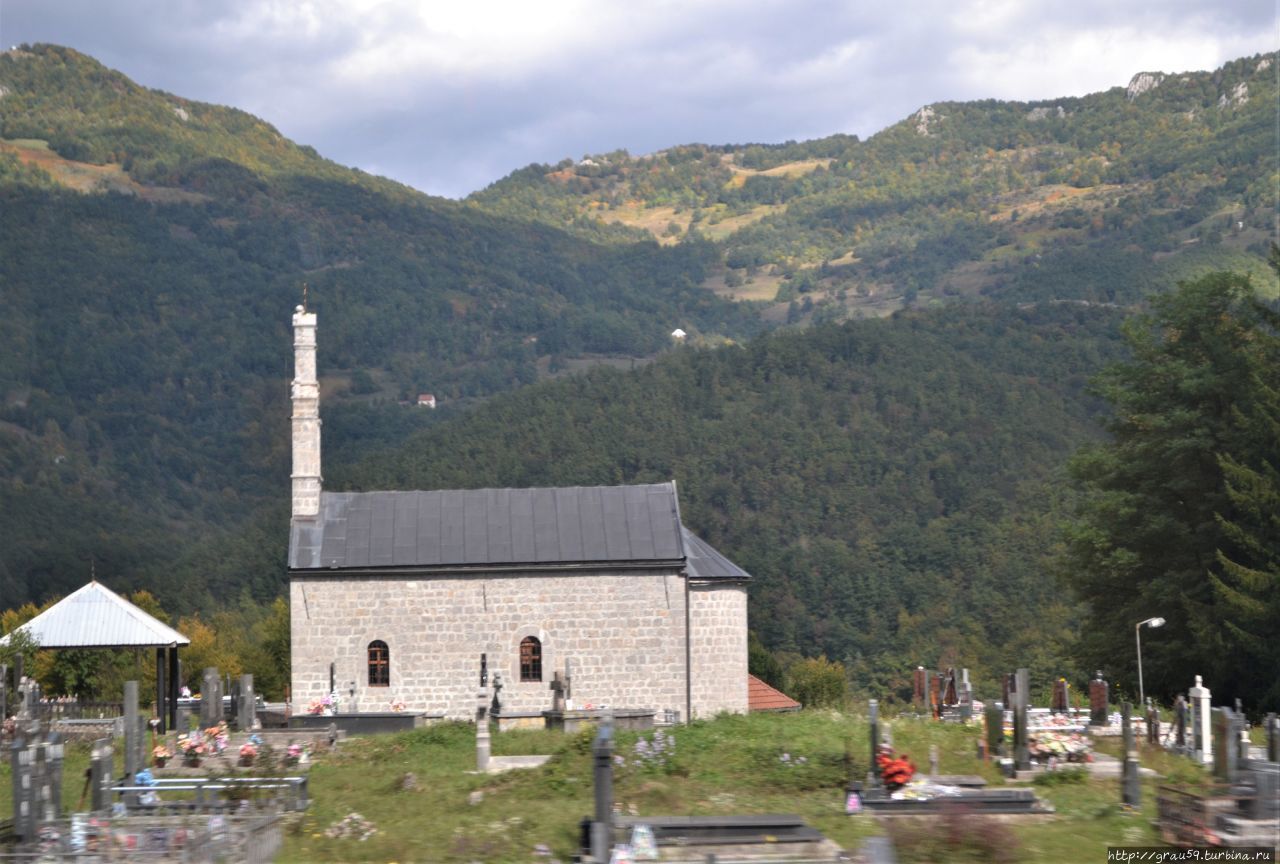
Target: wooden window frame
pixel 530 660
pixel 379 665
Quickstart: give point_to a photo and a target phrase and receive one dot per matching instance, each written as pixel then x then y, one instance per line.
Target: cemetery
pixel 230 778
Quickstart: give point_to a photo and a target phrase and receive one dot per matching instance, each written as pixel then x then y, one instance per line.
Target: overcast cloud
pixel 450 96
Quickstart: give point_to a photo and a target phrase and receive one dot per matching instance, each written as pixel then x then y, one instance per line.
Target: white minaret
pixel 306 417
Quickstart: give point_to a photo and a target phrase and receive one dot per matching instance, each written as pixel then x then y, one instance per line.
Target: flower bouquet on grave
pixel 193 749
pixel 326 705
pixel 397 705
pixel 217 737
pixel 160 755
pixel 293 754
pixel 895 771
pixel 248 752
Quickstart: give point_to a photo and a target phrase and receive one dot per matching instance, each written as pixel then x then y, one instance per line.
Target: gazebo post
pixel 173 687
pixel 160 688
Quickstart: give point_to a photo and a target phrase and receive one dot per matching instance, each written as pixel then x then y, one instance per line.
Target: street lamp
pixel 1137 636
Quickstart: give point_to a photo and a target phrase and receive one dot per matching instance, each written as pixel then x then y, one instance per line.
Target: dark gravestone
pixel 557 692
pixel 1153 725
pixel 1273 738
pixel 1130 787
pixel 1180 722
pixel 919 681
pixel 1006 693
pixel 1022 699
pixel 994 713
pixel 1099 694
pixel 1226 745
pixel 1058 703
pixel 873 723
pixel 602 825
pixel 495 707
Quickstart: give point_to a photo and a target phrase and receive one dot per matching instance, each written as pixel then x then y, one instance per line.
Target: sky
pixel 451 96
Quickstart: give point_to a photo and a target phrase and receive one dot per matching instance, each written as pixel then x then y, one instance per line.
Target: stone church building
pixel 403 591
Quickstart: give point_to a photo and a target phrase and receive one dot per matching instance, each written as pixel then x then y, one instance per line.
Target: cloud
pixel 451 96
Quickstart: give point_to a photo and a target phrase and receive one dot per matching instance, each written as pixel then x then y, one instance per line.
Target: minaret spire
pixel 306 416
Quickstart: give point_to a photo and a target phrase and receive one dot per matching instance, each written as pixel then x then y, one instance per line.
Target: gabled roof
pixel 97 617
pixel 762 697
pixel 476 527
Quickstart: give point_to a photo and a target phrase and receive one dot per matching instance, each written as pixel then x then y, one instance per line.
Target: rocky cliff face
pixel 1141 83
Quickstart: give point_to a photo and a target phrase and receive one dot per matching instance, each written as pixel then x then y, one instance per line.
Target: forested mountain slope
pixel 151 251
pixel 894 485
pixel 1101 198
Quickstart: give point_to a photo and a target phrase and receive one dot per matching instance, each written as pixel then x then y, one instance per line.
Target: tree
pixel 1157 507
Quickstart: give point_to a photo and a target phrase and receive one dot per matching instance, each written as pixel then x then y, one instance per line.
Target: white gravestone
pixel 1202 732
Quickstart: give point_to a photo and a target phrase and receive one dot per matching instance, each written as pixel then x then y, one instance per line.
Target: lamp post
pixel 1137 636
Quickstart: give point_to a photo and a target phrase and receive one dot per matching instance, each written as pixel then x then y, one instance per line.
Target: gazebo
pixel 97 617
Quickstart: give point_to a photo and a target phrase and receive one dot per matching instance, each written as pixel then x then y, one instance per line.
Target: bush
pixel 819 683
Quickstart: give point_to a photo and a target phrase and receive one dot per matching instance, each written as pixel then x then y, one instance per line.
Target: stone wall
pixel 622 630
pixel 718 620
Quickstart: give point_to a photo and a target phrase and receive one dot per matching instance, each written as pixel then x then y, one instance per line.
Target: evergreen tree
pixel 1164 527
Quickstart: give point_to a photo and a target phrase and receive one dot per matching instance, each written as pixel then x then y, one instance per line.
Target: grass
pixel 796 763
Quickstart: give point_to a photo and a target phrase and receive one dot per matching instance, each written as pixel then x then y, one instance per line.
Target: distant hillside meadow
pixel 886 370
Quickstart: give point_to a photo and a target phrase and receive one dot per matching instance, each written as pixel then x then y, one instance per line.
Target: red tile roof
pixel 762 697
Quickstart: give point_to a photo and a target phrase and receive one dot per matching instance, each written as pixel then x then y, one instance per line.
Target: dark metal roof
pixel 705 562
pixel 471 527
pixel 503 527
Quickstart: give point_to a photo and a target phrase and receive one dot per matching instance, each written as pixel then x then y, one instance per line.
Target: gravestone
pixel 568 683
pixel 484 670
pixel 919 681
pixel 21 770
pixel 1099 696
pixel 1059 701
pixel 602 824
pixel 965 693
pixel 1273 738
pixel 101 768
pixel 1130 787
pixel 1180 723
pixel 1153 724
pixel 210 698
pixel 482 733
pixel 994 713
pixel 557 691
pixel 1226 745
pixel 132 730
pixel 873 722
pixel 248 709
pixel 1022 698
pixel 495 707
pixel 1200 721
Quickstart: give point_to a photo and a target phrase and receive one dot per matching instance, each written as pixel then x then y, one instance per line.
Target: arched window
pixel 530 659
pixel 379 664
